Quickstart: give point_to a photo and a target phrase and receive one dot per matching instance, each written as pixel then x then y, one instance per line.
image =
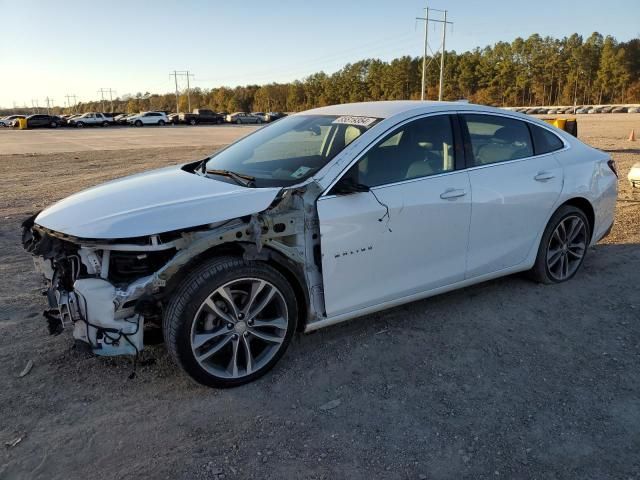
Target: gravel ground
pixel 507 379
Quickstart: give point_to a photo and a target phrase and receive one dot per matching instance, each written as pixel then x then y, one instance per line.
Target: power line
pixel 444 23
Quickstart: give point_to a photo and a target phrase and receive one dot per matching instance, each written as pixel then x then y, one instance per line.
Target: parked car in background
pixel 583 110
pixel 90 119
pixel 607 109
pixel 9 119
pixel 148 118
pixel 123 119
pixel 201 116
pixel 260 115
pixel 289 229
pixel 633 110
pixel 41 121
pixel 619 110
pixel 272 116
pixel 243 117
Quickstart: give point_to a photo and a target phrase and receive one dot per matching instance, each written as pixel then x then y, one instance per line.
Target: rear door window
pixel 497 139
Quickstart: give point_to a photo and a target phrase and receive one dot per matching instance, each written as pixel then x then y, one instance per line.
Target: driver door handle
pixel 544 176
pixel 451 193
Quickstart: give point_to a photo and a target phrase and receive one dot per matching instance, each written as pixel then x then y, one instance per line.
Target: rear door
pixel 513 191
pixel 409 233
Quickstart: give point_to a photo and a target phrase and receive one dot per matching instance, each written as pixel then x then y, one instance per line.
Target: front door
pixel 409 233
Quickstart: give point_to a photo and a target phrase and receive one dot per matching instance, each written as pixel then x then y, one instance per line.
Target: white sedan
pixel 321 217
pixel 148 118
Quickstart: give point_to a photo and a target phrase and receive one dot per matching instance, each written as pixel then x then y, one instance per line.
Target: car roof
pixel 387 109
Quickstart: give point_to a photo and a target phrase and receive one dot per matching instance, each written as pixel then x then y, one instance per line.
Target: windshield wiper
pixel 239 178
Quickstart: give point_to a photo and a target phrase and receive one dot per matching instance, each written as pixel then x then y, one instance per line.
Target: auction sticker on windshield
pixel 351 120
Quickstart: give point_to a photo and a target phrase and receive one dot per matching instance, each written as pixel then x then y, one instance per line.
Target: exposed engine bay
pixel 106 291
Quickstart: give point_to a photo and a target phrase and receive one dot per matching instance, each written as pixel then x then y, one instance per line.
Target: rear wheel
pixel 563 246
pixel 161 122
pixel 53 124
pixel 230 321
pixel 105 124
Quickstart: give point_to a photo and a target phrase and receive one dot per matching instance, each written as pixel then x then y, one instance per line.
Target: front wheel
pixel 563 246
pixel 138 123
pixel 105 124
pixel 230 321
pixel 79 125
pixel 192 121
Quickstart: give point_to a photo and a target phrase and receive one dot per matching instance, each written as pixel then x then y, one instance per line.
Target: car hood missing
pixel 154 202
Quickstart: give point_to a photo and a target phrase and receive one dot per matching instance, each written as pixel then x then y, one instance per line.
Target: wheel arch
pixel 290 270
pixel 584 205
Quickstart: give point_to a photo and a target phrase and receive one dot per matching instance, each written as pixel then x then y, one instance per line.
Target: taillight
pixel 612 166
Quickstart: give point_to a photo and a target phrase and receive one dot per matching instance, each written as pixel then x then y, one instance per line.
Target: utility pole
pixel 426 46
pixel 444 23
pixel 444 43
pixel 49 104
pixel 35 106
pixel 67 96
pixel 102 91
pixel 175 77
pixel 182 73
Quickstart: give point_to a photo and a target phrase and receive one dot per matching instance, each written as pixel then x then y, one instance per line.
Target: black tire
pixel 54 125
pixel 160 123
pixel 183 305
pixel 79 125
pixel 219 121
pixel 192 121
pixel 540 271
pixel 138 123
pixel 238 122
pixel 105 124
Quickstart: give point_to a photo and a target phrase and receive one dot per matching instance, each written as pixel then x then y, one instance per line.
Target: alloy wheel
pixel 566 248
pixel 239 328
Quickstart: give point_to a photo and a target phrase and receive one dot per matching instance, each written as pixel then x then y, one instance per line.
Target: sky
pixel 68 47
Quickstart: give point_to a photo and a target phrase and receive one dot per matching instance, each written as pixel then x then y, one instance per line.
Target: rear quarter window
pixel 544 141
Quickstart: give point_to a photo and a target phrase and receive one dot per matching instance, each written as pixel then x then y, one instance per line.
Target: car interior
pixel 495 139
pixel 420 148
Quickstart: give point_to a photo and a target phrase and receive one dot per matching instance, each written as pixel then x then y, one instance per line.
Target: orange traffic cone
pixel 632 136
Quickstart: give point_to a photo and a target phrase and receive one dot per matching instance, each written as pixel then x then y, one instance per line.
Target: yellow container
pixel 22 123
pixel 560 123
pixel 557 122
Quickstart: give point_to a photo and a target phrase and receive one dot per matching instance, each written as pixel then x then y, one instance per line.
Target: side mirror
pixel 347 185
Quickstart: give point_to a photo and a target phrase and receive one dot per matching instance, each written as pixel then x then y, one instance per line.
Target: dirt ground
pixel 507 379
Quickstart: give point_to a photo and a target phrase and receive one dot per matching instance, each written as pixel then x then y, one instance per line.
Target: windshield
pixel 291 149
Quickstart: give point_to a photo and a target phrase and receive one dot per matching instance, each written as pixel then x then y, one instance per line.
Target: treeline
pixel 535 71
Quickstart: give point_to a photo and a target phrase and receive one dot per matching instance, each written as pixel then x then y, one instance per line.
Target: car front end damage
pixel 107 291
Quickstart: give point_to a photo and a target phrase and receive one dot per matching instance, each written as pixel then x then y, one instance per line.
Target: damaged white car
pixel 323 216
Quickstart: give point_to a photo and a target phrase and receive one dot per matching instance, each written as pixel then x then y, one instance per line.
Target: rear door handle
pixel 451 193
pixel 544 176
